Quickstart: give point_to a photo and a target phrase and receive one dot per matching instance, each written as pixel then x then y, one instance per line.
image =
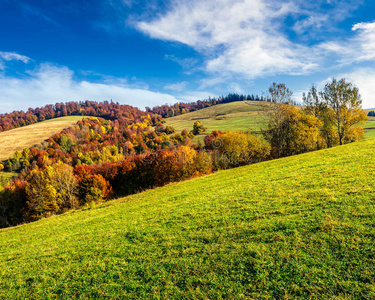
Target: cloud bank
pixel 49 84
pixel 236 36
pixel 254 38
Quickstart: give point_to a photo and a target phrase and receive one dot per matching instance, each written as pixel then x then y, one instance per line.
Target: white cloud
pixel 192 96
pixel 235 36
pixel 365 41
pixel 8 56
pixel 208 82
pixel 312 21
pixel 185 63
pixel 320 16
pixel 359 48
pixel 180 86
pixel 50 84
pixel 364 79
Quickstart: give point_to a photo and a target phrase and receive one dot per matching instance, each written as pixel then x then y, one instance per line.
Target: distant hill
pixel 106 110
pixel 241 115
pixel 299 227
pixel 24 137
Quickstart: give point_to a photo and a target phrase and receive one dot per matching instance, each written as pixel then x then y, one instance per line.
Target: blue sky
pixel 151 52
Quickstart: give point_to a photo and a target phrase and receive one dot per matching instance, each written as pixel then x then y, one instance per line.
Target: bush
pixel 236 148
pixel 198 128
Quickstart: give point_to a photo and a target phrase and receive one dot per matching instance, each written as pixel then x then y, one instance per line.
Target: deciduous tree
pixel 339 107
pixel 345 101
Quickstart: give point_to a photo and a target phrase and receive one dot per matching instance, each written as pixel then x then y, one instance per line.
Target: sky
pixel 154 52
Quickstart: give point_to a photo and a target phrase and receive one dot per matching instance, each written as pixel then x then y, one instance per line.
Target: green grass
pixel 5 177
pixel 295 228
pixel 244 115
pixel 369 127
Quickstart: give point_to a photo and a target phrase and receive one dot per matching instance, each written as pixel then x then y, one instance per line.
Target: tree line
pixel 167 111
pixel 329 117
pixel 107 110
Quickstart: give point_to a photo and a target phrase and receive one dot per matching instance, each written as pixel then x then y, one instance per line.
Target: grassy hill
pixel 24 137
pixel 300 227
pixel 244 115
pixel 369 127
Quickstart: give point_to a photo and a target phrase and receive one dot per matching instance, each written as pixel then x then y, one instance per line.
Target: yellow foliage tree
pixel 234 148
pixel 339 107
pixel 295 132
pixel 51 190
pixel 186 159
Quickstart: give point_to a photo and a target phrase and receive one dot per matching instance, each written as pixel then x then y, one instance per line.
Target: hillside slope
pixel 297 227
pixel 244 115
pixel 25 137
pixel 369 127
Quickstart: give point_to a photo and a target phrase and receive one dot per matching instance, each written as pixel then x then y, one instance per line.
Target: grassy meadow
pixel 5 177
pixel 20 138
pixel 369 127
pixel 244 115
pixel 301 227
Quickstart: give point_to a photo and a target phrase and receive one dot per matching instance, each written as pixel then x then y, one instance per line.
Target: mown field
pixel 27 136
pixel 244 115
pixel 301 227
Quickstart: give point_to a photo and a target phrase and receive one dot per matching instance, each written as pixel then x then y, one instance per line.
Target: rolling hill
pixel 299 227
pixel 244 115
pixel 27 136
